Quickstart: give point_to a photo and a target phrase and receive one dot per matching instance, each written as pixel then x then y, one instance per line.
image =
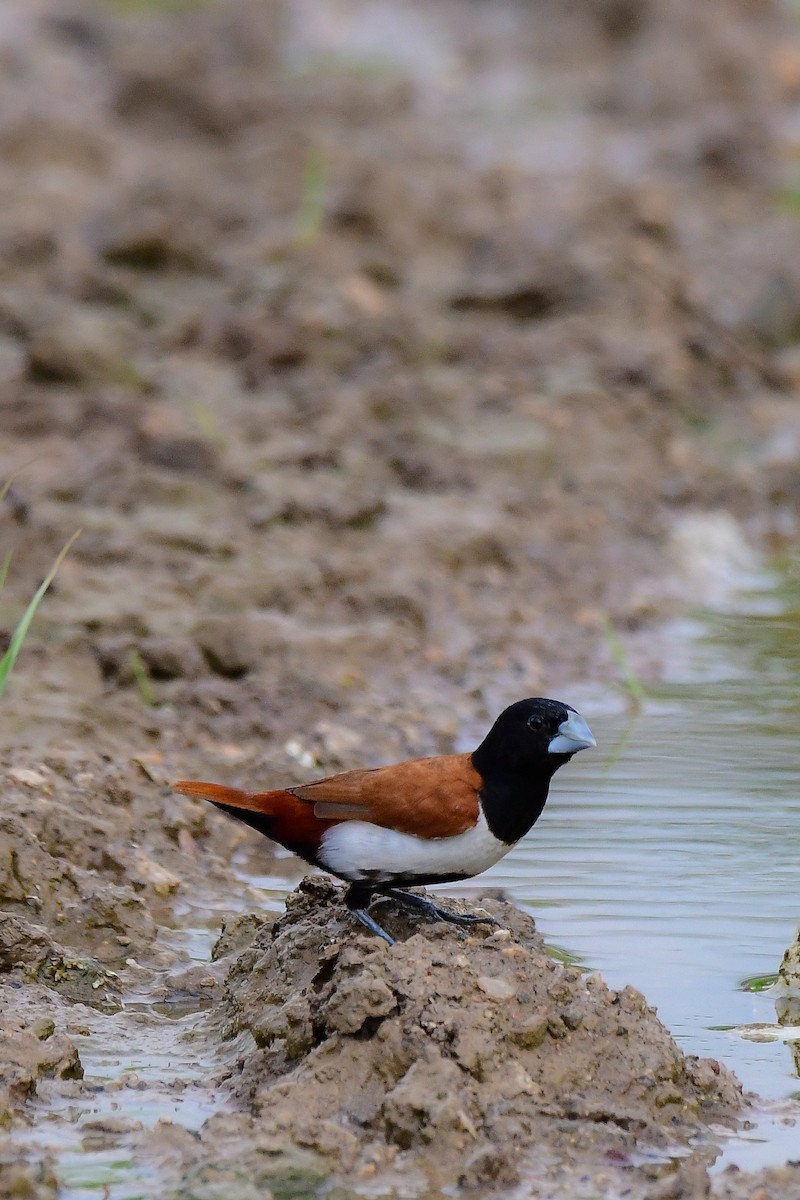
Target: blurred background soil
pixel 386 355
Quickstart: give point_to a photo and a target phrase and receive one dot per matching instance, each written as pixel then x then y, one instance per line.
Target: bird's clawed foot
pixel 372 925
pixel 424 905
pixel 358 897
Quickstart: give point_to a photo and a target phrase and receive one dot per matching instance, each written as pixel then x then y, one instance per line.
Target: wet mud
pixel 386 357
pixel 452 1060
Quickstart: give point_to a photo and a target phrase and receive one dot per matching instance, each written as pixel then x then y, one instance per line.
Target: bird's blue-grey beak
pixel 573 735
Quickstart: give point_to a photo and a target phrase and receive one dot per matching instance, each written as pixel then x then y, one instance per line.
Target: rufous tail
pixel 218 793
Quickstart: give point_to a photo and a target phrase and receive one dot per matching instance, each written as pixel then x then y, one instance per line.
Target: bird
pixel 427 820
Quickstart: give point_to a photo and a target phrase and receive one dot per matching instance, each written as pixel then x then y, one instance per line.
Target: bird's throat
pixel 513 807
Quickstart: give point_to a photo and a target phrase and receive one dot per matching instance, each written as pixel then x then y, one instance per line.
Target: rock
pixel 531 1031
pixel 495 988
pixel 27 776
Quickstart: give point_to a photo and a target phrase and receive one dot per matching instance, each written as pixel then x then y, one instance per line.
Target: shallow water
pixel 668 858
pixel 149 1062
pixel 165 1081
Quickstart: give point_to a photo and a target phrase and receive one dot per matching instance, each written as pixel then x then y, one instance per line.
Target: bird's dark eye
pixel 535 722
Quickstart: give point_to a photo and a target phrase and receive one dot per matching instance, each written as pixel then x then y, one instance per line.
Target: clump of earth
pixel 391 360
pixel 454 1061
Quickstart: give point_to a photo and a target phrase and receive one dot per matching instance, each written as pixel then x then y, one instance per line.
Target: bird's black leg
pixel 357 897
pixel 424 905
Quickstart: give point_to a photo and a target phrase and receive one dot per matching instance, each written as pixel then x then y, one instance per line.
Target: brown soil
pixel 383 354
pixel 454 1060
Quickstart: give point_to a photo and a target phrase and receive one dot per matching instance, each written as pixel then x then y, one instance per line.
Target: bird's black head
pixel 527 744
pixel 534 733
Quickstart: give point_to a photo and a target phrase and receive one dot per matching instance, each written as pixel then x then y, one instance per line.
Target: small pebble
pixel 497 989
pixel 27 777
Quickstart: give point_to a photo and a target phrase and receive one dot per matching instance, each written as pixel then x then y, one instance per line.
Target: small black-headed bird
pixel 428 820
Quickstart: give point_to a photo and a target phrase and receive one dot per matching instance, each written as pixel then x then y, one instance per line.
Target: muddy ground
pixel 384 355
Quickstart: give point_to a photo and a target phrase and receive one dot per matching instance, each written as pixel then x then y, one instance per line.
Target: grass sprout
pixel 633 684
pixel 24 624
pixel 139 672
pixel 311 210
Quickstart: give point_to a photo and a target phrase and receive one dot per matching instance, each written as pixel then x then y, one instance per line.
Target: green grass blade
pixel 4 570
pixel 633 685
pixel 9 483
pixel 311 212
pixel 139 670
pixel 21 631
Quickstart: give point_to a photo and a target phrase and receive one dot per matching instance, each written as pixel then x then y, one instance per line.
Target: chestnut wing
pixel 427 797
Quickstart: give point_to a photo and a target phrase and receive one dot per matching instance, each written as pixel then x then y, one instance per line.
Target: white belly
pixel 359 851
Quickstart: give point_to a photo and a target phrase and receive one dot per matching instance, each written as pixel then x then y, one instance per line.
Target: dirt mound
pixel 451 1056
